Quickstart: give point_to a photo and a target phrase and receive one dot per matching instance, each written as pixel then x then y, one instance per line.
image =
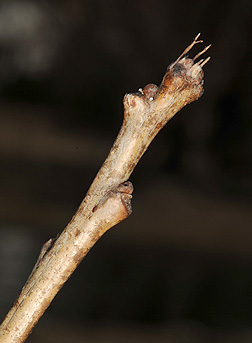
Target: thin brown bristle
pixel 206 60
pixel 200 61
pixel 197 36
pixel 195 41
pixel 202 52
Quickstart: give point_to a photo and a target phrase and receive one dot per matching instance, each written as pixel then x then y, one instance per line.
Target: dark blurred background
pixel 179 269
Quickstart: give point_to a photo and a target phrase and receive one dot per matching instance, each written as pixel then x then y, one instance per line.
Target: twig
pixel 108 201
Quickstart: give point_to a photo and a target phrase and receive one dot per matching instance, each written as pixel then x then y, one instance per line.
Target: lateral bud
pixel 115 207
pixel 134 103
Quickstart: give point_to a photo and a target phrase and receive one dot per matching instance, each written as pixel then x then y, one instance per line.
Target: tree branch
pixel 108 201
